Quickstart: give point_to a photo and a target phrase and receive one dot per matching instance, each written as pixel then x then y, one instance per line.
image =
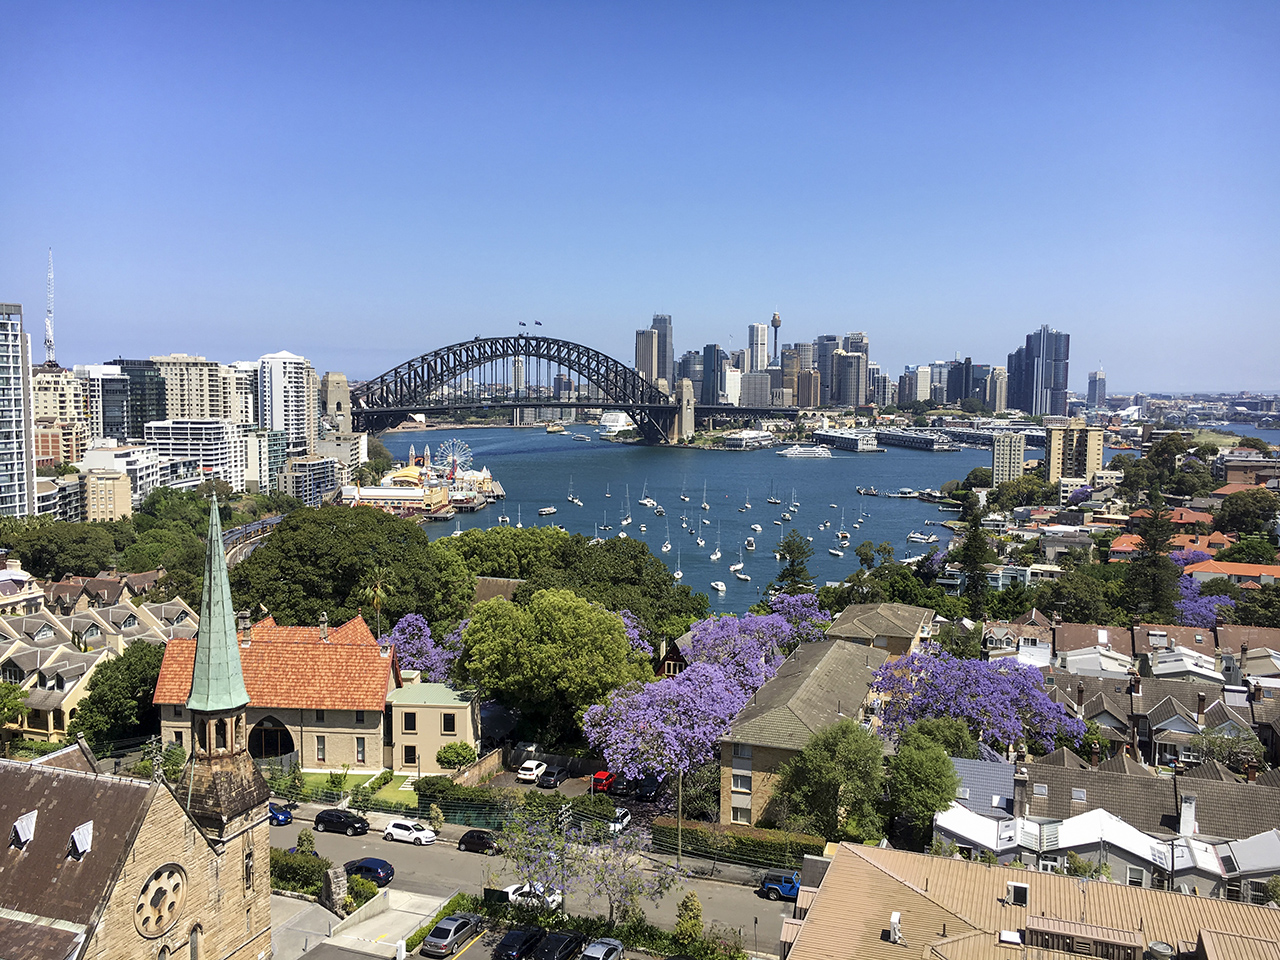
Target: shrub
pixel 689 920
pixel 306 842
pixel 738 843
pixel 361 798
pixel 143 769
pixel 338 780
pixel 299 872
pixel 359 892
pixel 456 755
pixel 172 762
pixel 381 780
pixel 435 817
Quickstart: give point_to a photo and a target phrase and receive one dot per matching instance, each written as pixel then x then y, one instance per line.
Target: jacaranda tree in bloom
pixel 416 649
pixel 1002 702
pixel 1195 610
pixel 637 633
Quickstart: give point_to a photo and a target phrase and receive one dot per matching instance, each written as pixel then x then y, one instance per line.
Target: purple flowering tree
pixel 637 633
pixel 1185 558
pixel 416 649
pixel 807 621
pixel 1002 702
pixel 1079 495
pixel 1195 610
pixel 613 866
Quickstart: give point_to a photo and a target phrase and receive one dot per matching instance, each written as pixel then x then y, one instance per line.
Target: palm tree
pixel 378 586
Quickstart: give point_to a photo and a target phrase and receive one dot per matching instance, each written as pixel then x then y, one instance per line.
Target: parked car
pixel 371 868
pixel 606 948
pixel 602 781
pixel 623 787
pixel 553 777
pixel 479 841
pixel 519 943
pixel 409 831
pixel 451 933
pixel 647 790
pixel 621 820
pixel 530 771
pixel 341 821
pixel 535 896
pixel 559 946
pixel 278 816
pixel 780 884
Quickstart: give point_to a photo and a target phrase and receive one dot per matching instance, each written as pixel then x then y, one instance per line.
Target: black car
pixel 479 841
pixel 341 821
pixel 553 777
pixel 371 868
pixel 519 944
pixel 647 790
pixel 623 787
pixel 560 946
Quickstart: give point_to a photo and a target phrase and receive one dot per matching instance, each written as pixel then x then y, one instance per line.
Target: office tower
pixel 517 375
pixel 857 343
pixel 666 347
pixel 997 395
pixel 884 390
pixel 804 353
pixel 755 390
pixel 849 371
pixel 1007 456
pixel 106 399
pixel 790 370
pixel 690 368
pixel 738 360
pixel 757 347
pixel 562 387
pixel 714 361
pixel 959 380
pixel 647 354
pixel 1074 450
pixel 17 443
pixel 808 388
pixel 287 400
pixel 148 393
pixel 732 386
pixel 1097 389
pixel 823 350
pixel 913 385
pixel 1038 373
pixel 335 401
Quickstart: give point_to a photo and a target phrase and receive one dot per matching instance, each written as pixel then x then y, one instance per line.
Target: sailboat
pixel 716 555
pixel 683 496
pixel 503 518
pixel 705 505
pixel 572 498
pixel 772 498
pixel 795 504
pixel 746 504
pixel 735 567
pixel 679 573
pixel 646 500
pixel 666 546
pixel 519 523
pixel 842 533
pixel 457 529
pixel 627 519
pixel 607 494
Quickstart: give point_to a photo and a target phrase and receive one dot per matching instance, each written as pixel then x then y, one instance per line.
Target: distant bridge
pixel 522 371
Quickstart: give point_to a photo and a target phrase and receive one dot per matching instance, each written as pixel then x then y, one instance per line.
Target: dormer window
pixel 24 828
pixel 12 673
pixel 129 621
pixel 44 633
pixel 81 841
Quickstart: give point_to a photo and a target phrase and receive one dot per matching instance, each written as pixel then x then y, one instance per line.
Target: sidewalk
pixel 379 934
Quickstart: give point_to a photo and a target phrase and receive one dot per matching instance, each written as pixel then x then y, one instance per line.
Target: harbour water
pixel 536 469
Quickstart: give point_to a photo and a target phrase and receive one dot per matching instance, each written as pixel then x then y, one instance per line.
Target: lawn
pixel 392 793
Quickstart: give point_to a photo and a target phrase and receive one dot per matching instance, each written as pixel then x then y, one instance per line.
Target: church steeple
pixel 217 683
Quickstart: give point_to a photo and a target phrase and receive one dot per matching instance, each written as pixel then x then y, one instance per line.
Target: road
pixel 441 869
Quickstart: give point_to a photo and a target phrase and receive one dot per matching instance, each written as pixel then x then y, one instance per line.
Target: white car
pixel 605 948
pixel 621 820
pixel 534 895
pixel 530 771
pixel 409 831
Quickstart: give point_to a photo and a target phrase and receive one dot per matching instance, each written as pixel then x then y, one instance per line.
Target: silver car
pixel 451 933
pixel 605 948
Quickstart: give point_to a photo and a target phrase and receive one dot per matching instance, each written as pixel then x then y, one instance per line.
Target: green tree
pixel 13 703
pixel 951 734
pixel 960 643
pixel 1024 492
pixel 689 925
pixel 1256 443
pixel 1152 578
pixel 1273 889
pixel 1259 608
pixel 1248 512
pixel 1250 550
pixel 53 551
pixel 834 785
pixel 978 478
pixel 550 659
pixel 922 781
pixel 119 705
pixel 378 584
pixel 1236 748
pixel 794 552
pixel 973 554
pixel 456 755
pixel 172 761
pixel 866 554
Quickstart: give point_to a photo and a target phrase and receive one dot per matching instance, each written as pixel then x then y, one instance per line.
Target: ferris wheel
pixel 453 455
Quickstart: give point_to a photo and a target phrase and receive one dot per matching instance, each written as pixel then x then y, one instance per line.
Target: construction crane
pixel 48 317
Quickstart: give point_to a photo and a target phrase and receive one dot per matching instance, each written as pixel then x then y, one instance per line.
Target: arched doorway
pixel 269 738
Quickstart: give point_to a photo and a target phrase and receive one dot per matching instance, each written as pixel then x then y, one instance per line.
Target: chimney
pixel 1251 771
pixel 324 627
pixel 1200 707
pixel 1080 697
pixel 1244 652
pixel 245 626
pixel 1257 689
pixel 1095 755
pixel 1187 820
pixel 895 927
pixel 1135 683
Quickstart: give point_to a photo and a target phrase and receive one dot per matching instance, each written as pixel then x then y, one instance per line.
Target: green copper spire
pixel 217 683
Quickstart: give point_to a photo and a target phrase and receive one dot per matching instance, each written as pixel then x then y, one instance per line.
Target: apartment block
pixel 17 444
pixel 59 441
pixel 265 456
pixel 310 478
pixel 106 399
pixel 217 444
pixel 1009 452
pixel 58 394
pixel 1073 450
pixel 288 400
pixel 107 495
pixel 147 396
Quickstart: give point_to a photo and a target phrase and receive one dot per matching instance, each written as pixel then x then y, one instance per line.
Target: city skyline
pixel 944 183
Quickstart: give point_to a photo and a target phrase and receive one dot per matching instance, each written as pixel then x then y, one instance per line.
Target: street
pixel 441 870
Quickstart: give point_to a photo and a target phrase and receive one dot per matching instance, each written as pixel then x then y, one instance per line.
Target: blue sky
pixel 361 183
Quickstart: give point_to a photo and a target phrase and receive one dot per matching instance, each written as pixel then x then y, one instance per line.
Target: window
pixel 410 722
pixel 962 793
pixel 1040 789
pixel 359 749
pixel 177 737
pixel 670 668
pixel 1234 889
pixel 742 751
pixel 1258 893
pixel 1077 794
pixel 57 720
pixel 742 782
pixel 359 716
pixel 194 949
pixel 319 716
pixel 248 870
pixel 320 749
pixel 1050 864
pixel 1137 876
pixel 1017 894
pixel 248 922
pixel 449 723
pixel 410 755
pixel 177 712
pixel 741 814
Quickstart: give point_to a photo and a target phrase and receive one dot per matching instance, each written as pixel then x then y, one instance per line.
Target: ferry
pixel 546 511
pixel 555 428
pixel 904 493
pixel 808 453
pixel 581 436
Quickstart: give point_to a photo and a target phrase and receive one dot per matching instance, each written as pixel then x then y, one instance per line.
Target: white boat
pixel 666 547
pixel 750 543
pixel 807 453
pixel 679 573
pixel 777 523
pixel 581 436
pixel 622 535
pixel 571 497
pixel 607 494
pixel 742 576
pixel 746 504
pixel 786 516
pixel 718 586
pixel 519 524
pixel 756 528
pixel 836 553
pixel 646 500
pixel 606 525
pixel 700 542
pixel 831 505
pixel 658 511
pixel 735 567
pixel 503 518
pixel 705 505
pixel 684 521
pixel 716 556
pixel 842 532
pixel 683 496
pixel 772 498
pixel 457 529
pixel 706 521
pixel 546 511
pixel 642 528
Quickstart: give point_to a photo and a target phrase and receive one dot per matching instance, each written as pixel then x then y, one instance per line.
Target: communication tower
pixel 48 316
pixel 776 323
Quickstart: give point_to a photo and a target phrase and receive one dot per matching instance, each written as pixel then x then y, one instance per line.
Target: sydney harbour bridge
pixel 524 371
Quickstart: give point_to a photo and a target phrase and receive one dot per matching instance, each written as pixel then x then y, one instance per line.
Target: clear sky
pixel 364 182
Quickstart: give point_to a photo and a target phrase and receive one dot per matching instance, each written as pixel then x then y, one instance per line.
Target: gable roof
pixel 1225 568
pixel 817 685
pixel 1233 637
pixel 866 621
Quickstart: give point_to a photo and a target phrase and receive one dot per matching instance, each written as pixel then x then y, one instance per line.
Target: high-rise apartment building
pixel 106 398
pixel 58 395
pixel 265 457
pixel 288 401
pixel 647 354
pixel 1008 454
pixel 1038 373
pixel 1097 389
pixel 757 347
pixel 17 444
pixel 193 387
pixel 219 445
pixel 1074 450
pixel 666 347
pixel 240 392
pixel 147 394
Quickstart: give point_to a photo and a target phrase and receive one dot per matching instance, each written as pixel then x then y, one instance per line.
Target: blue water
pixel 536 468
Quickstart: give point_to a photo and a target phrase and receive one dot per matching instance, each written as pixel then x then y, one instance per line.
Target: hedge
pixel 738 842
pixel 443 790
pixel 458 903
pixel 381 780
pixel 299 872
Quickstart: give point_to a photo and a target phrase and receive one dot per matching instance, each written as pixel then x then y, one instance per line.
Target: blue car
pixel 371 868
pixel 780 884
pixel 278 816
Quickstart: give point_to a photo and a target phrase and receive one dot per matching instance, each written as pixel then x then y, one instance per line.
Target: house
pixel 895 627
pixel 74 594
pixel 1151 638
pixel 1030 643
pixel 1233 638
pixel 112 868
pixel 425 717
pixel 20 593
pixel 816 686
pixel 1079 636
pixel 873 903
pixel 1238 573
pixel 1178 516
pixel 56 679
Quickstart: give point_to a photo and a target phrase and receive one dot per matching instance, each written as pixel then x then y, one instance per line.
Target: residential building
pixel 1074 450
pixel 240 393
pixel 107 495
pixel 757 347
pixel 20 592
pixel 1008 454
pixel 818 685
pixel 58 394
pixel 996 395
pixel 17 443
pixel 55 677
pixel 666 349
pixel 1240 574
pixel 349 449
pixel 193 387
pixel 59 441
pixel 265 457
pixel 647 354
pixel 309 479
pixel 61 498
pixel 106 399
pixel 895 627
pixel 426 717
pixel 287 400
pixel 147 397
pixel 1038 373
pixel 1097 396
pixel 216 444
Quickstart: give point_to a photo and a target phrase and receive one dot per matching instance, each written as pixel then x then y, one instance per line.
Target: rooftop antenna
pixel 48 315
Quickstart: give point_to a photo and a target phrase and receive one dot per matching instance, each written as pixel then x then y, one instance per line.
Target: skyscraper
pixel 757 347
pixel 288 401
pixel 666 347
pixel 647 354
pixel 17 422
pixel 1038 373
pixel 1097 389
pixel 823 349
pixel 714 361
pixel 147 394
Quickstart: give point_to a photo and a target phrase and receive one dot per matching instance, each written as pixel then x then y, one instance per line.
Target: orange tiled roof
pixel 1176 515
pixel 292 668
pixel 1231 488
pixel 1235 569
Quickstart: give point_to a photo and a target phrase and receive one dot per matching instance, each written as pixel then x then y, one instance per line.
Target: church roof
pixel 216 681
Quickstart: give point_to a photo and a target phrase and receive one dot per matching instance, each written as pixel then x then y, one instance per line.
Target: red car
pixel 602 781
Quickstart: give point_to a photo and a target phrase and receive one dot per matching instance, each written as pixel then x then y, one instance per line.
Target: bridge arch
pixel 431 382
